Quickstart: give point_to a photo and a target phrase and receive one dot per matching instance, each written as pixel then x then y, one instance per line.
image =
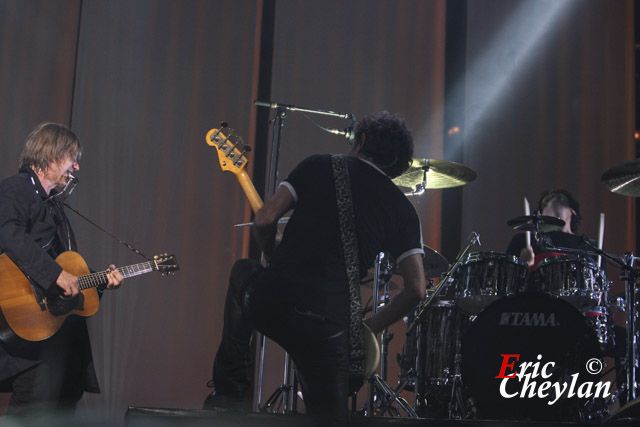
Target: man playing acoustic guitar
pixel 304 299
pixel 51 374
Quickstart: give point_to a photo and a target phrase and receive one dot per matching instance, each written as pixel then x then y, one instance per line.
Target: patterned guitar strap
pixel 346 219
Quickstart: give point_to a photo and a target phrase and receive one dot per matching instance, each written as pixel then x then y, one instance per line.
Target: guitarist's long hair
pixel 49 142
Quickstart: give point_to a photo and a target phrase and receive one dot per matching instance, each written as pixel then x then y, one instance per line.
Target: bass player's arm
pixel 266 220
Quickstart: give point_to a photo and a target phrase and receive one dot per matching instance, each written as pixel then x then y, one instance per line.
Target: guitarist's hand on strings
pixel 68 283
pixel 114 278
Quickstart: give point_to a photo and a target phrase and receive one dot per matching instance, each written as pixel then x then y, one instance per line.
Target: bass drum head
pixel 549 334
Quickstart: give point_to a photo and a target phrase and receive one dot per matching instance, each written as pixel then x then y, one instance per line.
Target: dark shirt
pixel 310 253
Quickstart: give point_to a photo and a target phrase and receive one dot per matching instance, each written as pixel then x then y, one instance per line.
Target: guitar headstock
pixel 165 264
pixel 231 149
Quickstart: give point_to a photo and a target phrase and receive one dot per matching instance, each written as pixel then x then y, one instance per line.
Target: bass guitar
pixel 35 316
pixel 232 152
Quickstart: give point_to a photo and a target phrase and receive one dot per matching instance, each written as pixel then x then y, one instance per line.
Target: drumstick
pixel 527 211
pixel 600 238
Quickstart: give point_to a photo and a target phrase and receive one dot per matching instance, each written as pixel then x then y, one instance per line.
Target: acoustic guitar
pixel 35 316
pixel 232 152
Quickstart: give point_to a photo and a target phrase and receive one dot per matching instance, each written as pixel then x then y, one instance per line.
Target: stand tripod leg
pixel 384 397
pixel 286 392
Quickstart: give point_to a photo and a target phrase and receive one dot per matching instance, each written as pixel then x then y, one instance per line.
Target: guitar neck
pixel 249 190
pixel 100 278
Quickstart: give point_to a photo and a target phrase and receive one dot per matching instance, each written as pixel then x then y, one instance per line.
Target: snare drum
pixel 484 277
pixel 575 279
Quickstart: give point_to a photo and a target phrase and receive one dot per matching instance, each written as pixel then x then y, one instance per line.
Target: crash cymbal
pixel 623 178
pixel 439 174
pixel 543 223
pixel 434 263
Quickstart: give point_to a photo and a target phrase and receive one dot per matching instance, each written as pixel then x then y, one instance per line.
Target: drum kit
pixel 496 339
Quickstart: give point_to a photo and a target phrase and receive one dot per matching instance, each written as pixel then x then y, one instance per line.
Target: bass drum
pixel 547 333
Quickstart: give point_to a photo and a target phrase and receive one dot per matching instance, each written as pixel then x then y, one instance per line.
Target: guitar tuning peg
pixel 246 148
pixel 224 124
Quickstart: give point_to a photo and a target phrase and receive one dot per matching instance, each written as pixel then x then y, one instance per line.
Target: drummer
pixel 559 204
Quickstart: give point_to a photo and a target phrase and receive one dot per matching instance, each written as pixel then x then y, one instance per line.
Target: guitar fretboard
pixel 100 278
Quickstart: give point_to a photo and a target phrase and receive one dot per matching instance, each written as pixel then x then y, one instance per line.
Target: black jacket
pixel 33 232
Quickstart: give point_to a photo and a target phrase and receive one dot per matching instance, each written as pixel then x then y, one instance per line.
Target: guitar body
pixel 22 315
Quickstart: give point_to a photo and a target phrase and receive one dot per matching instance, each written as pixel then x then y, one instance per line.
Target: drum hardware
pixel 425 174
pixel 474 239
pixel 630 277
pixel 415 326
pixel 381 397
pixel 600 320
pixel 617 303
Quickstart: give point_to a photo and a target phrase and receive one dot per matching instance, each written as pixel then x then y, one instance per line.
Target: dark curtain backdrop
pixel 549 103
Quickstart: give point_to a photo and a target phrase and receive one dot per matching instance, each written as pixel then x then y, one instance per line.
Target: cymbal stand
pixel 630 277
pixel 382 397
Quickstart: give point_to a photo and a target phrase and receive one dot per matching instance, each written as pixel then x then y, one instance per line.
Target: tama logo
pixel 528 319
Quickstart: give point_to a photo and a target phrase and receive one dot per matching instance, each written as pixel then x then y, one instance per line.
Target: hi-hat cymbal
pixel 623 178
pixel 543 223
pixel 439 174
pixel 434 263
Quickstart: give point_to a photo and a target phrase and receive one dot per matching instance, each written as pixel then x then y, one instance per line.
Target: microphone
pixel 346 132
pixel 73 179
pixel 270 104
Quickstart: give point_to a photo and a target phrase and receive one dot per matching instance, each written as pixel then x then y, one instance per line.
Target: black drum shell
pixel 566 339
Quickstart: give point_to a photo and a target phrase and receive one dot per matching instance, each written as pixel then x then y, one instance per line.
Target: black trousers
pixel 319 348
pixel 56 383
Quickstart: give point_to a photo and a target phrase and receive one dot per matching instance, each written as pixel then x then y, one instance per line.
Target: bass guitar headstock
pixel 231 148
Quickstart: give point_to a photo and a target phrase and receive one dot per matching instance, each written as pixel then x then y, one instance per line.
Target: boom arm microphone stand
pixel 288 390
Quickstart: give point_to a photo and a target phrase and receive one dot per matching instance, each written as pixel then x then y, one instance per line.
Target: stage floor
pixel 159 417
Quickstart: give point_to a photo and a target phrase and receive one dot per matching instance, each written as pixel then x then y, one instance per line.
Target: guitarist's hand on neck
pixel 114 278
pixel 266 220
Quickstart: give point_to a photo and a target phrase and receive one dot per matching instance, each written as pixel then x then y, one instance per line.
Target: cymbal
pixel 623 178
pixel 544 223
pixel 439 174
pixel 434 263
